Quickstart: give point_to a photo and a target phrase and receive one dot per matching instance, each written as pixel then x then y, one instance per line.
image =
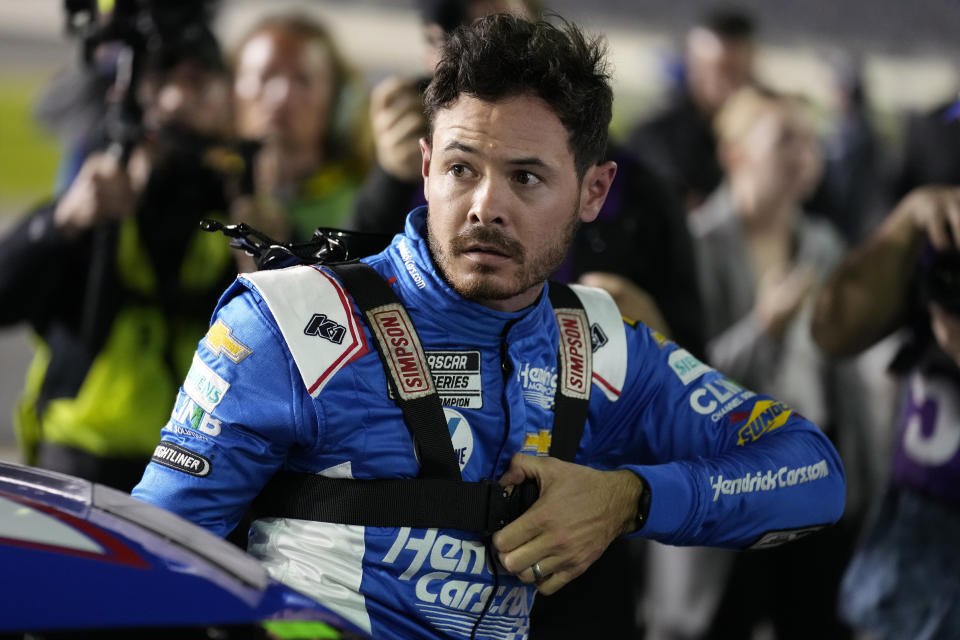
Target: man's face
pixel 504 197
pixel 284 89
pixel 188 96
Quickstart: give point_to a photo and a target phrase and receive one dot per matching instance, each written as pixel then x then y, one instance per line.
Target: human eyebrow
pixel 454 145
pixel 529 162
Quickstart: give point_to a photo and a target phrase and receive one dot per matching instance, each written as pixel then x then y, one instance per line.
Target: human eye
pixel 458 170
pixel 527 178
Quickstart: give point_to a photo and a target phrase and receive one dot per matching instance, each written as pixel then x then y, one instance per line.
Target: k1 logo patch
pixel 323 327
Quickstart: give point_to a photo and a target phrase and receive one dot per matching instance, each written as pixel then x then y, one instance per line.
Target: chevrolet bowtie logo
pixel 538 442
pixel 219 339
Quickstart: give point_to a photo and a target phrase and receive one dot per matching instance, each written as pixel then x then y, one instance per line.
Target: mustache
pixel 489 239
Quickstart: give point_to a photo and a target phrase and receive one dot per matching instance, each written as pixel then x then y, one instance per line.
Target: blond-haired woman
pixel 759 259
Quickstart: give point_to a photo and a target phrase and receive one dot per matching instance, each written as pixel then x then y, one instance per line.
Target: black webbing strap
pixel 413 390
pixel 570 406
pixel 483 507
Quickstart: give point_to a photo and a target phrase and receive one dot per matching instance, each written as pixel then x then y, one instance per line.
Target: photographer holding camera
pixel 114 276
pixel 902 582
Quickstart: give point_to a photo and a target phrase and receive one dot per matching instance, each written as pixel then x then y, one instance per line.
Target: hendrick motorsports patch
pixel 180 459
pixel 456 375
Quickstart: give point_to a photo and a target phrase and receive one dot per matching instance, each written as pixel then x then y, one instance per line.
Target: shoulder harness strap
pixel 574 372
pixel 413 389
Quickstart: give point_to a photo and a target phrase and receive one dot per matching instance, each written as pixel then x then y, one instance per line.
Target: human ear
pixel 425 152
pixel 594 189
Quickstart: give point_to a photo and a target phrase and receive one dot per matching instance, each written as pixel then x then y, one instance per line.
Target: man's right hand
pixel 101 191
pixel 396 114
pixel 866 297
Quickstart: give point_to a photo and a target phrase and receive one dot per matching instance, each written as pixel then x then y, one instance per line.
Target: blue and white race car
pixel 81 557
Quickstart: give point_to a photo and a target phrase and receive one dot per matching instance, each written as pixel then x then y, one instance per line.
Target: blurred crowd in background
pixel 758 186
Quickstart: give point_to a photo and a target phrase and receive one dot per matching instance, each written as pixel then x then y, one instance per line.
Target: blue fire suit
pixel 288 378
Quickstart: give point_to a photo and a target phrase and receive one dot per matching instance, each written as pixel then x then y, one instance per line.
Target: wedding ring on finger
pixel 537 572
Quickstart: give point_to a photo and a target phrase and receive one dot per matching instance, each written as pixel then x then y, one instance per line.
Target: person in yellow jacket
pixel 117 280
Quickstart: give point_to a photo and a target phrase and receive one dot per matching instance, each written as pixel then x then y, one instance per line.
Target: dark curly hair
pixel 502 56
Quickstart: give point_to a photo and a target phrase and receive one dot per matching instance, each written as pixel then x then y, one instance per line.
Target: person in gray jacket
pixel 759 260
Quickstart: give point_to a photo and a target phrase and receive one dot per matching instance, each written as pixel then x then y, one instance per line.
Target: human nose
pixel 277 90
pixel 488 204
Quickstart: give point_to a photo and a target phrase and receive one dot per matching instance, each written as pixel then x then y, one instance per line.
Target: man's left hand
pixel 579 512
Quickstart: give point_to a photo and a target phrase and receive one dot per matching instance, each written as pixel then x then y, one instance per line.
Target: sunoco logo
pixel 765 416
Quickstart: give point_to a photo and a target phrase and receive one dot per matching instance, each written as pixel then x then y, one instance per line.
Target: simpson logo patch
pixel 219 339
pixel 575 347
pixel 180 459
pixel 323 327
pixel 404 355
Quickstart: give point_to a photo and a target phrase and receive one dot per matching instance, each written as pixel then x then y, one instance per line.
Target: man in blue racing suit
pixel 288 378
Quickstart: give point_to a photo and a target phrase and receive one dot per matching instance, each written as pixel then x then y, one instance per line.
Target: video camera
pixel 138 32
pixel 939 278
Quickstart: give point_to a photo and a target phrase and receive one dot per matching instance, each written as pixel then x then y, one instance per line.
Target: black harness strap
pixel 414 391
pixel 483 507
pixel 574 377
pixel 438 497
